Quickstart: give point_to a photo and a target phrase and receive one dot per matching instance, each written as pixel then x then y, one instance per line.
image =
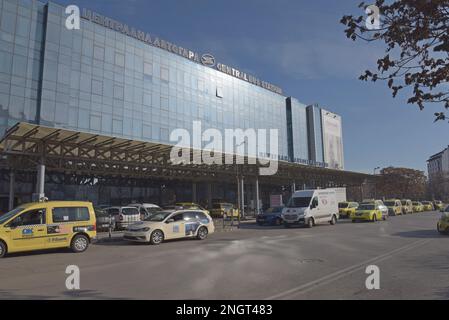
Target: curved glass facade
pixel 103 81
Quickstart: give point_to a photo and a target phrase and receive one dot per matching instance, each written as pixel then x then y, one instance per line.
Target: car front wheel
pixel 310 223
pixel 202 233
pixel 2 249
pixel 333 221
pixel 157 236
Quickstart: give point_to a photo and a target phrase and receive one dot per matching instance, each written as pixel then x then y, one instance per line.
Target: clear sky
pixel 300 46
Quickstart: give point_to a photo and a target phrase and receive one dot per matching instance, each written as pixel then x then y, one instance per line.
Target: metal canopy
pixel 65 151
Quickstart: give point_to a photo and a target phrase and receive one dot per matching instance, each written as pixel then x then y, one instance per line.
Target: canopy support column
pixel 12 182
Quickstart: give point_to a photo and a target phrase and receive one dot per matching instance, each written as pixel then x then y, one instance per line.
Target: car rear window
pixel 113 211
pixel 70 214
pixel 130 211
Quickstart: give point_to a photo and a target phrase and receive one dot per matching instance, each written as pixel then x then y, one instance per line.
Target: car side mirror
pixel 170 221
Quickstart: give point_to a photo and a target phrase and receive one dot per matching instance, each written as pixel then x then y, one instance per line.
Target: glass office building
pixel 101 79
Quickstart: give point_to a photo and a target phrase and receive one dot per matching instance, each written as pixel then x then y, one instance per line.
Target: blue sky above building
pixel 300 46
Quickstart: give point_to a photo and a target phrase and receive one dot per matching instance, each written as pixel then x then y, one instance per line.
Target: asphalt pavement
pixel 325 262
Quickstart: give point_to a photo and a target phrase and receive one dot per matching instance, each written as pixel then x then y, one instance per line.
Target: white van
pixel 310 207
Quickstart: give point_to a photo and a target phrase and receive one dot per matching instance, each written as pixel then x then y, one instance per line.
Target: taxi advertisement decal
pixel 58 229
pixel 28 232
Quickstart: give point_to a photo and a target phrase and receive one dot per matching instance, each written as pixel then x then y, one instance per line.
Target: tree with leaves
pixel 416 36
pixel 439 187
pixel 402 183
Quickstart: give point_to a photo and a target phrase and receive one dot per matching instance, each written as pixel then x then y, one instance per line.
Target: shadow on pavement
pixel 39 252
pixel 420 234
pixel 66 295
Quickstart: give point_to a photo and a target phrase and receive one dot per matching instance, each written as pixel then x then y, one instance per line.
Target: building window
pixel 219 92
pixel 119 59
pixel 164 103
pixel 118 92
pixel 164 74
pixel 148 69
pixel 98 53
pixel 147 99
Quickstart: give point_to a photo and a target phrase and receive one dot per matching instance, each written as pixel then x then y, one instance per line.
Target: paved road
pixel 326 262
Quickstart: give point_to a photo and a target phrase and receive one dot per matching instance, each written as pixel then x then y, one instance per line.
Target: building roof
pixel 438 155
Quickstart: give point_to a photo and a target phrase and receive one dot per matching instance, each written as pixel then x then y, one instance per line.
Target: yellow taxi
pixel 224 210
pixel 48 225
pixel 417 207
pixel 368 212
pixel 443 224
pixel 427 206
pixel 407 206
pixel 394 207
pixel 438 205
pixel 189 206
pixel 345 209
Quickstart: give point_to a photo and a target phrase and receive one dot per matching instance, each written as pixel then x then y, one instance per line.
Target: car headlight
pixel 146 229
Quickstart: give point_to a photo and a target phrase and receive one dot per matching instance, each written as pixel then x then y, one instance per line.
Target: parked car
pixel 368 212
pixel 104 221
pixel 417 207
pixel 124 216
pixel 167 225
pixel 146 209
pixel 394 207
pixel 427 206
pixel 310 207
pixel 271 216
pixel 347 208
pixel 191 206
pixel 48 225
pixel 443 223
pixel 407 206
pixel 379 206
pixel 438 204
pixel 224 210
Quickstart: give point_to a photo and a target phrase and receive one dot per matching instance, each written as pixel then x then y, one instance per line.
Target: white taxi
pixel 171 224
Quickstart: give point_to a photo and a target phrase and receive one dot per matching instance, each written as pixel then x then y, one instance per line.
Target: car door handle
pixel 40 229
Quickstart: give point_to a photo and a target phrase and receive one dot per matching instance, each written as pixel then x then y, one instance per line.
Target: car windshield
pixel 5 217
pixel 366 207
pixel 158 216
pixel 274 210
pixel 299 202
pixel 415 203
pixel 216 206
pixel 404 203
pixel 390 203
pixel 99 212
pixel 343 205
